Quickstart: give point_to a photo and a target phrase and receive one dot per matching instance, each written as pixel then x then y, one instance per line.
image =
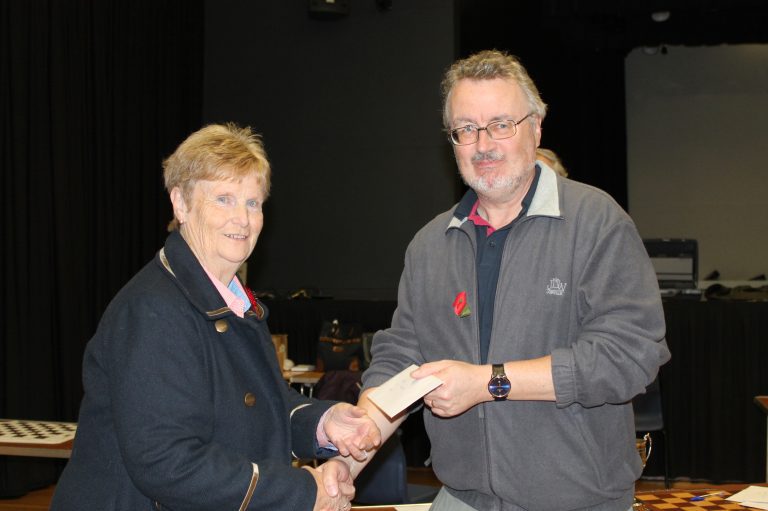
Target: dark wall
pixel 350 114
pixel 579 75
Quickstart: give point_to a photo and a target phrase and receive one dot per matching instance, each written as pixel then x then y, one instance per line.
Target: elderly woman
pixel 185 406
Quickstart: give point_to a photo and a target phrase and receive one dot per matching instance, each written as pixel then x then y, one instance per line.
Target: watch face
pixel 499 386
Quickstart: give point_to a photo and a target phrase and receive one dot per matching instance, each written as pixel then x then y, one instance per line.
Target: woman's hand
pixel 351 430
pixel 334 486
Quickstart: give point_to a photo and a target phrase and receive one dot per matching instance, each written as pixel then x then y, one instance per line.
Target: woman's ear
pixel 180 209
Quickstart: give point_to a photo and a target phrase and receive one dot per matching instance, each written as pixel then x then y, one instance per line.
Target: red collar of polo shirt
pixel 476 219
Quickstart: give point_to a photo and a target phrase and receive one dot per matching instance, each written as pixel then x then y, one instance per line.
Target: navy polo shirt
pixel 490 248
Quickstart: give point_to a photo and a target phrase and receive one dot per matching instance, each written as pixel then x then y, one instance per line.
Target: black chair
pixel 385 479
pixel 649 418
pixel 367 340
pixel 341 385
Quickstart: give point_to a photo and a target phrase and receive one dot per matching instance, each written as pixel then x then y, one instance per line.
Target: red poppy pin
pixel 257 308
pixel 461 306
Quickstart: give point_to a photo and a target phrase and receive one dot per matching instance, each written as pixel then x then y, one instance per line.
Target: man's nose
pixel 484 141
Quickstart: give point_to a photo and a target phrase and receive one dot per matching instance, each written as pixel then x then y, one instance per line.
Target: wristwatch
pixel 499 385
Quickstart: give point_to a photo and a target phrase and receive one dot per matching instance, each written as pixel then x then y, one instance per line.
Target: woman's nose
pixel 240 214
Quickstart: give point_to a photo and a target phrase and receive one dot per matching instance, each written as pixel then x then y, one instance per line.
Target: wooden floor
pixel 35 500
pixel 40 499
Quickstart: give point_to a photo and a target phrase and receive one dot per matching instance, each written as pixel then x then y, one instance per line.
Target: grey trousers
pixel 447 502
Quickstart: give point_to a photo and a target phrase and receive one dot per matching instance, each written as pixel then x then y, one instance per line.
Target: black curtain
pixel 93 95
pixel 714 430
pixel 579 72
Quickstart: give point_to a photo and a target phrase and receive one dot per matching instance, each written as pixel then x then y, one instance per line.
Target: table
pixel 306 379
pixel 762 402
pixel 730 488
pixel 62 450
pixel 42 439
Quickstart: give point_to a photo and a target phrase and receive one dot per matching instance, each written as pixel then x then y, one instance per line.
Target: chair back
pixel 341 385
pixel 367 343
pixel 385 479
pixel 647 408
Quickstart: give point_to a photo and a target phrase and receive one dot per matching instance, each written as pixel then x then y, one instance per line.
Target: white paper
pixel 401 391
pixel 752 496
pixel 398 507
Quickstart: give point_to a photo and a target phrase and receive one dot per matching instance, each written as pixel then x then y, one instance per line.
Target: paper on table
pixel 400 391
pixel 752 496
pixel 397 507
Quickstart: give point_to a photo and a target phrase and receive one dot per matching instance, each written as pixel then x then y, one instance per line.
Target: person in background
pixel 552 160
pixel 534 302
pixel 185 407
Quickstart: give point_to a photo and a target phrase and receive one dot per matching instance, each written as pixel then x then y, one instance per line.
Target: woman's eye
pixel 224 200
pixel 253 204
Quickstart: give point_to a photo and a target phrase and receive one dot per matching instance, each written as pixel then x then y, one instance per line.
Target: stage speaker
pixel 676 262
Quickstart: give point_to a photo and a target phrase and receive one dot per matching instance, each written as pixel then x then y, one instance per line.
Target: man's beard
pixel 495 186
pixel 485 184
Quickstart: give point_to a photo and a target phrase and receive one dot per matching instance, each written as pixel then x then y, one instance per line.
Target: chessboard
pixel 682 500
pixel 14 431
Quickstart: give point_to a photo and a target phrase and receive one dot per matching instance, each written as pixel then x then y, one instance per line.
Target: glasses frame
pixel 452 132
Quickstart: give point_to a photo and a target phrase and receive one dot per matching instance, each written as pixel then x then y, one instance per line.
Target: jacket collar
pixel 178 260
pixel 545 200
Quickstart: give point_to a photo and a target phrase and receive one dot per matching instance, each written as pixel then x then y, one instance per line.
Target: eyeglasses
pixel 497 130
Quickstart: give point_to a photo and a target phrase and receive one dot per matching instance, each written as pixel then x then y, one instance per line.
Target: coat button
pixel 221 326
pixel 250 399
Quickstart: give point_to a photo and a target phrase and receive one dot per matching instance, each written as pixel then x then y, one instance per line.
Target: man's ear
pixel 180 209
pixel 537 131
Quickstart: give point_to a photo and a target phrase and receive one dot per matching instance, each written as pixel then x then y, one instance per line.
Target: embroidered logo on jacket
pixel 556 287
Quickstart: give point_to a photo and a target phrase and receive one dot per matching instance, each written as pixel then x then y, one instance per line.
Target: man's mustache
pixel 488 156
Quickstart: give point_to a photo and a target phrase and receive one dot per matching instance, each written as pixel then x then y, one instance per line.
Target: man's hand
pixel 335 489
pixel 351 430
pixel 464 386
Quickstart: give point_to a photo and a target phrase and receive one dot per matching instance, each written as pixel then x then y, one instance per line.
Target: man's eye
pixel 503 125
pixel 467 129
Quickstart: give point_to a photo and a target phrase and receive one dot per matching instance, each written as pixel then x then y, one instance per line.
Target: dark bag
pixel 340 346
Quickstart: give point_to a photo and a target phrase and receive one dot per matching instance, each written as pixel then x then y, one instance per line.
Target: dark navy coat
pixel 182 397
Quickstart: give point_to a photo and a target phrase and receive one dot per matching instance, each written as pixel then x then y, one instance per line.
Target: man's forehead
pixel 469 94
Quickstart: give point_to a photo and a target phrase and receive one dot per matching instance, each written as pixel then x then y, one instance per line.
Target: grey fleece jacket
pixel 575 283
